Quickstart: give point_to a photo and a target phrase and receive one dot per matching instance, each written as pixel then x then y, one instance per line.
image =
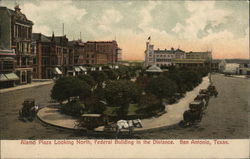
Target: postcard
pixel 124 79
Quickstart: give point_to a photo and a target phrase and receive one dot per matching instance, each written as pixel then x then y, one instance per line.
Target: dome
pixel 154 68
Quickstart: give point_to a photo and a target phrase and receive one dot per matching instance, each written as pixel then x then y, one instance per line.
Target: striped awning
pixel 12 76
pixel 3 78
pixel 83 68
pixel 57 71
pixel 77 69
pixel 8 77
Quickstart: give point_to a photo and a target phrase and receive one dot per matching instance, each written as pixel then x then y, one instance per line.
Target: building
pixel 15 33
pixel 52 56
pixel 102 52
pixel 8 78
pixel 161 57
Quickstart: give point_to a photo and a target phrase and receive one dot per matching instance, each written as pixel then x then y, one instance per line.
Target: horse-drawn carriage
pixel 93 121
pixel 29 110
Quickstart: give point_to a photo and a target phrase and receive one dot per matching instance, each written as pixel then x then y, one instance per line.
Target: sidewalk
pixel 53 117
pixel 33 84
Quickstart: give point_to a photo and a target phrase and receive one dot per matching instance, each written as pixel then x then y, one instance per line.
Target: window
pixel 8 65
pixel 34 60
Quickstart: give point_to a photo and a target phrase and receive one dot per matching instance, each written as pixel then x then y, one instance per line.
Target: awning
pixel 3 78
pixel 57 71
pixel 77 69
pixel 83 68
pixel 12 76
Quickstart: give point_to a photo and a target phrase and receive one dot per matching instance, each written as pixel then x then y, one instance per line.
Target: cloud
pixel 109 18
pixel 202 14
pixel 48 16
pixel 145 14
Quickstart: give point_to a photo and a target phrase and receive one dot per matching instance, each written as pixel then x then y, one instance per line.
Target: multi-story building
pixel 15 33
pixel 8 78
pixel 102 52
pixel 161 57
pixel 177 57
pixel 52 56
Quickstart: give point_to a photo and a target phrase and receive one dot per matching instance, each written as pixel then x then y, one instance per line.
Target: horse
pixel 127 124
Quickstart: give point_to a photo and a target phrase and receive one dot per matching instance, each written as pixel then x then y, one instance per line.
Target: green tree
pixel 112 74
pixel 88 79
pixel 99 77
pixel 162 87
pixel 120 94
pixel 67 87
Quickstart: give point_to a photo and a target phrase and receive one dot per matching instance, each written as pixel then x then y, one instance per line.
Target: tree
pixel 120 94
pixel 67 87
pixel 88 79
pixel 99 76
pixel 112 74
pixel 142 82
pixel 161 87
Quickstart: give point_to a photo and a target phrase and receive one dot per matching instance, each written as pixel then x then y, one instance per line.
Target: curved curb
pixel 99 131
pixel 53 125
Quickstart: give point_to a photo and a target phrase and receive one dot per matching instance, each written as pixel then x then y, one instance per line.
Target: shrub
pixel 88 79
pixel 73 108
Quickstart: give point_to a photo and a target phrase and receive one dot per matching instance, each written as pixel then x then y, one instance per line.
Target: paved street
pixel 226 116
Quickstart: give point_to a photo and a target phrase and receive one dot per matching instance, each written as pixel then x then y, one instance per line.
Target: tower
pixel 149 53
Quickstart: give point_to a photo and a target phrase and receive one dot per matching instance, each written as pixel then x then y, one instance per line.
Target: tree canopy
pixel 161 87
pixel 67 87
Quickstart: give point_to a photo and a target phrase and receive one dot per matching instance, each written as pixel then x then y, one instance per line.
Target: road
pixel 226 116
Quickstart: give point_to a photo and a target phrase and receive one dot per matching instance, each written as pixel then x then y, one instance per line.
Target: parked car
pixel 29 110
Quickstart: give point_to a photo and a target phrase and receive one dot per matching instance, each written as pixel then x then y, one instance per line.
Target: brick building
pixel 15 33
pixel 102 52
pixel 52 57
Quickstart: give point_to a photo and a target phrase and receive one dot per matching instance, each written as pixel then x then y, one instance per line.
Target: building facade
pixel 176 57
pixel 161 57
pixel 8 78
pixel 15 33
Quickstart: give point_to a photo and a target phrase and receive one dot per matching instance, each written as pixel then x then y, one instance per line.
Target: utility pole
pixel 63 29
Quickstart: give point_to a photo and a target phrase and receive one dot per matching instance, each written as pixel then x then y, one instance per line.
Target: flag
pixel 149 37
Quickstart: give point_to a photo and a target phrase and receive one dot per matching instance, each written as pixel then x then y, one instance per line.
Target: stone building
pixel 15 33
pixel 161 57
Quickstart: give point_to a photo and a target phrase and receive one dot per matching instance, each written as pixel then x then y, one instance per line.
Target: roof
pixel 18 14
pixel 154 68
pixel 168 51
pixel 40 37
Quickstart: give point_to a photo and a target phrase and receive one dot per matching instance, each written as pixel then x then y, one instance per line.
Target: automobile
pixel 91 121
pixel 202 97
pixel 212 90
pixel 29 110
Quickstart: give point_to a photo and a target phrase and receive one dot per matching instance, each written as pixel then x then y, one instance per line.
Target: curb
pixel 96 131
pixel 6 90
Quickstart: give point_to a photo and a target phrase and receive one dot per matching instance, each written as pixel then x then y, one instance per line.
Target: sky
pixel 219 26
